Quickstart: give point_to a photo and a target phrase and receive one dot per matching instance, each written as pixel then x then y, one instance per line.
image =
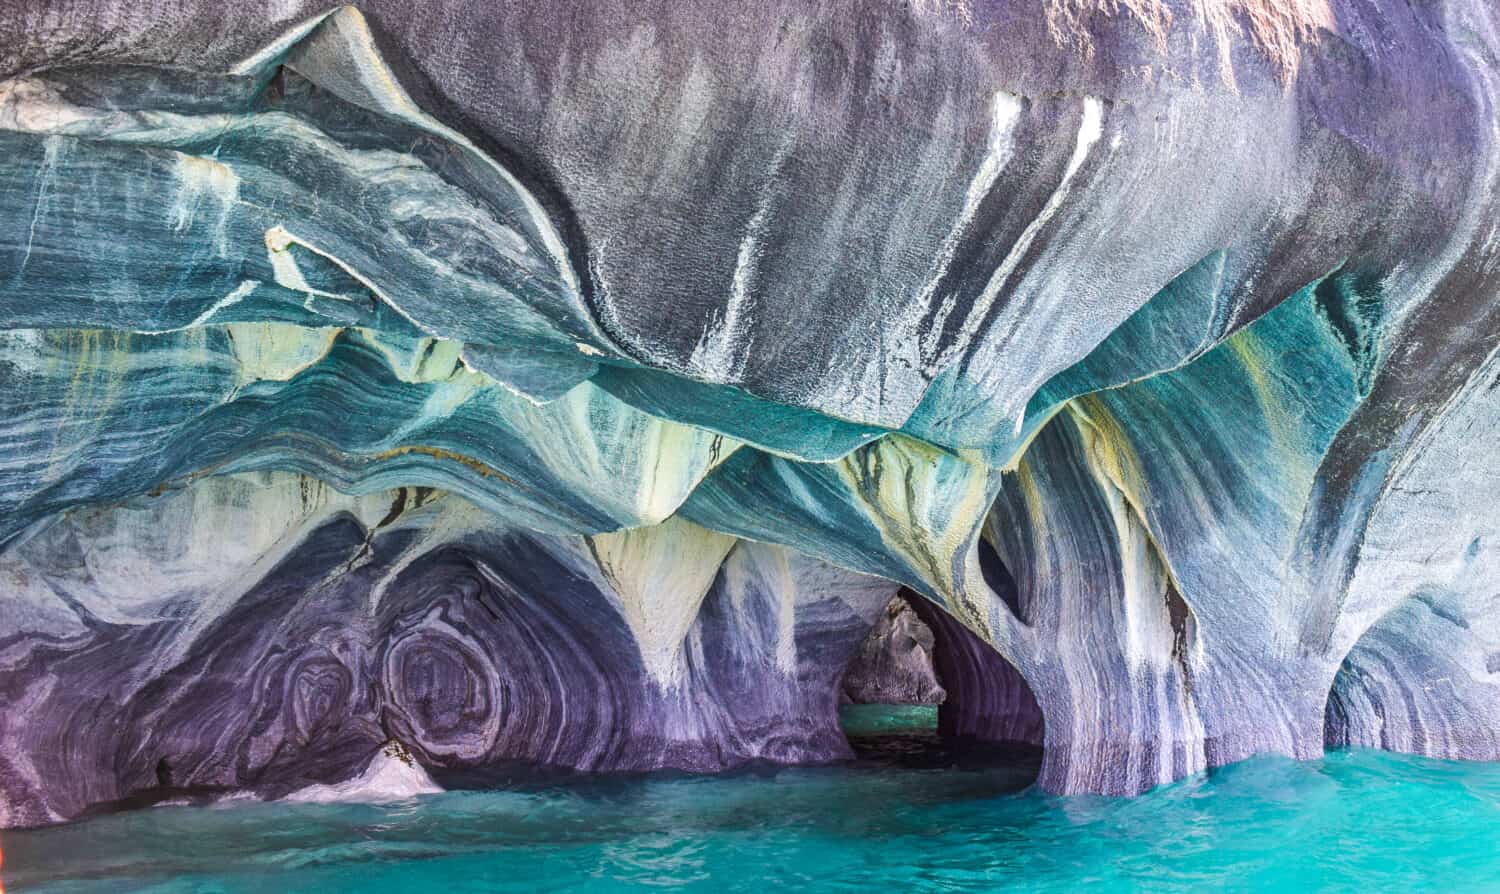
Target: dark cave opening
pixel 924 691
pixel 1336 713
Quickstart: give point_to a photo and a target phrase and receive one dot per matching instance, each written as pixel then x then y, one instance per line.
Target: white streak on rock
pixel 202 178
pixel 1089 131
pixel 1005 111
pixel 718 357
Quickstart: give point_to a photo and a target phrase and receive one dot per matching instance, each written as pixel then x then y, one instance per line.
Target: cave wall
pixel 282 647
pixel 1421 671
pixel 1152 346
pixel 986 699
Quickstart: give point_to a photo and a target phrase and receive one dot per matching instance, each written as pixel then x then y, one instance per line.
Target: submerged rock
pixel 576 386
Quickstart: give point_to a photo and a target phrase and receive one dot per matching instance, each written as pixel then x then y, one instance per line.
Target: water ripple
pixel 1355 821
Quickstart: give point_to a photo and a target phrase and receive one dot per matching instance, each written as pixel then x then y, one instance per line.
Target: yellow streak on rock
pixel 928 506
pixel 441 453
pixel 1115 466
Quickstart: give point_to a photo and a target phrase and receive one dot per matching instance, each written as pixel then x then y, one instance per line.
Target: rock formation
pixel 575 384
pixel 262 632
pixel 894 665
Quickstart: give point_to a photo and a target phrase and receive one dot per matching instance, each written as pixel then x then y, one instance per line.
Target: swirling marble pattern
pixel 472 643
pixel 627 359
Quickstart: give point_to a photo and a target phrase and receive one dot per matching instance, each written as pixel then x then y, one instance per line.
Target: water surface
pixel 1354 821
pixel 869 721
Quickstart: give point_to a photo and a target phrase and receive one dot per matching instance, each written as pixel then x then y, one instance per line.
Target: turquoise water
pixel 1355 821
pixel 875 720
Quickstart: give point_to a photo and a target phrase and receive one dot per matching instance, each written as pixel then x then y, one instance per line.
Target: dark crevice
pixel 1336 712
pixel 1353 306
pixel 398 505
pixel 999 579
pixel 1184 632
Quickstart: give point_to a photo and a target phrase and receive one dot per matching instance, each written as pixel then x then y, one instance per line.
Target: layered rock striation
pixel 264 633
pixel 576 385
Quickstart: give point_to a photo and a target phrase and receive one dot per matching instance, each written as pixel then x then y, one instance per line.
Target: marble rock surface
pixel 574 384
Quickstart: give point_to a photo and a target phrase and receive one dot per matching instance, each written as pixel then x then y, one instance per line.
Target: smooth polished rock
pixel 627 358
pixel 335 625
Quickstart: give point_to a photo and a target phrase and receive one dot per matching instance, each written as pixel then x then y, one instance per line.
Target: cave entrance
pixel 890 687
pixel 924 691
